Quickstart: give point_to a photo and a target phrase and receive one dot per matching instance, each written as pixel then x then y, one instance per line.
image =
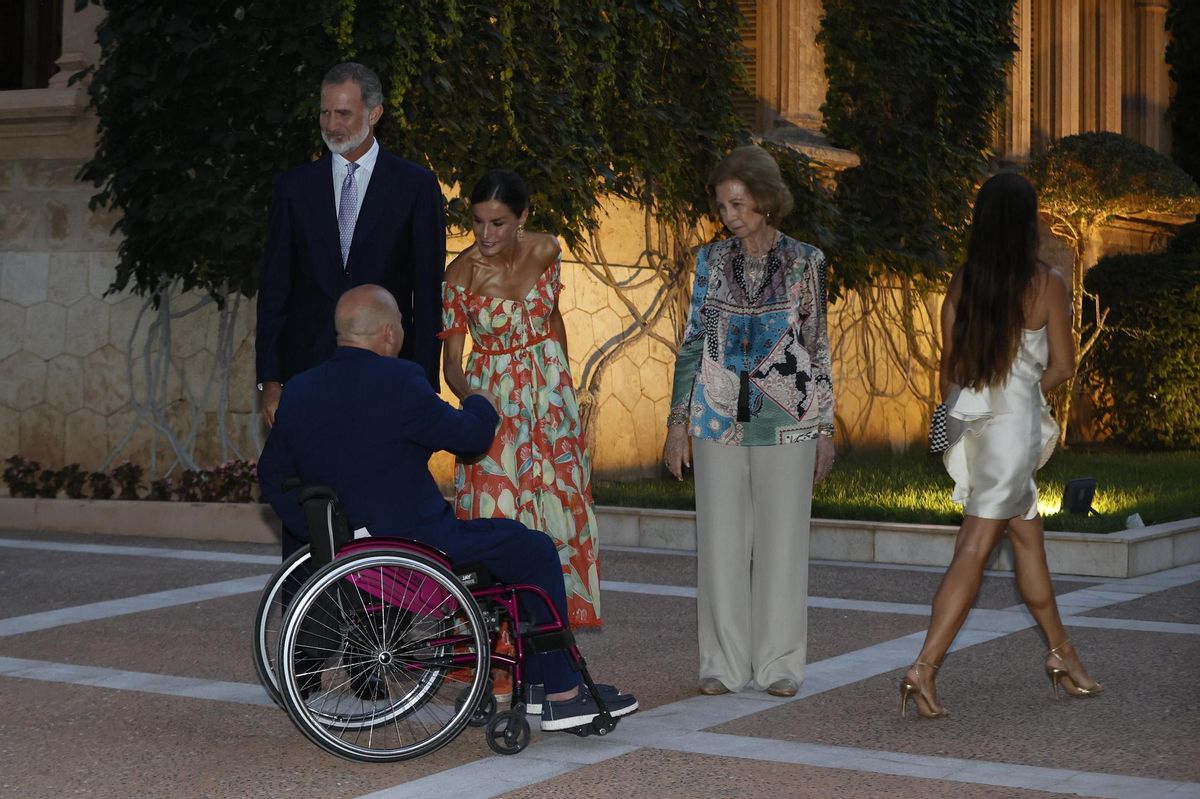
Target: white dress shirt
pixel 366 165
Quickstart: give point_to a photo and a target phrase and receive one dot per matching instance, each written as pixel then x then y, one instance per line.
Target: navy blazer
pixel 399 243
pixel 365 426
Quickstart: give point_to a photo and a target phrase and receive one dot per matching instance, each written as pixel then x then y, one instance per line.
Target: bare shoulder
pixel 1054 278
pixel 1050 285
pixel 460 270
pixel 539 252
pixel 954 288
pixel 543 247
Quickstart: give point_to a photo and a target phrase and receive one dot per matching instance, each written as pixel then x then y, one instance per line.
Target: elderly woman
pixel 753 403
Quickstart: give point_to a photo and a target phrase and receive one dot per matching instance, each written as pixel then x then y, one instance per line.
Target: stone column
pixel 1018 108
pixel 79 46
pixel 1065 68
pixel 791 67
pixel 1103 47
pixel 1111 55
pixel 1089 66
pixel 791 80
pixel 1153 84
pixel 1043 95
pixel 1131 104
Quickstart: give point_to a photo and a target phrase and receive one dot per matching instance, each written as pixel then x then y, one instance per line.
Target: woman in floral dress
pixel 504 291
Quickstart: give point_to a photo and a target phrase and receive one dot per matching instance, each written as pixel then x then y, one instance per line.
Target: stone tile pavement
pixel 125 671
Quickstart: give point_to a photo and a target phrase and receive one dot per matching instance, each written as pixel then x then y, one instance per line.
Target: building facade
pixel 89 377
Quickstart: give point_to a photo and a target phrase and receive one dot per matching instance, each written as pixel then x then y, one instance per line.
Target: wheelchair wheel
pixel 508 733
pixel 268 620
pixel 383 656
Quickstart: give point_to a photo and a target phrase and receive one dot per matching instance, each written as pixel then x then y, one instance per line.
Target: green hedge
pixel 1146 372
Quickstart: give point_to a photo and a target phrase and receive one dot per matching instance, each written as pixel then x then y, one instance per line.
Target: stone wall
pixel 73 360
pixel 76 383
pixel 73 374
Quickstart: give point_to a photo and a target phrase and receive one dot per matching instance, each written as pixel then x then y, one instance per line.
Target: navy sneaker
pixel 535 695
pixel 569 713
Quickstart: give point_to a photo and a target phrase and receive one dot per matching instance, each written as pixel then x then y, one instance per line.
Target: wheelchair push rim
pixel 268 619
pixel 383 656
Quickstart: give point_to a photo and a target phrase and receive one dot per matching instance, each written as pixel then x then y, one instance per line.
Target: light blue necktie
pixel 348 211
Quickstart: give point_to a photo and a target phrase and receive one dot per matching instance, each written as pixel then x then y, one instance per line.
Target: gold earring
pixel 520 231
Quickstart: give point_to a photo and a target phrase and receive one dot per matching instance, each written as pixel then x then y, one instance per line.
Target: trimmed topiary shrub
pixel 1146 369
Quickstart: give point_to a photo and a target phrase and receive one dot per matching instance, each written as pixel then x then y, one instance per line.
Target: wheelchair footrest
pixel 597 726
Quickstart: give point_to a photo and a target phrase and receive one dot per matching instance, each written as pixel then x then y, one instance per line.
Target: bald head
pixel 367 316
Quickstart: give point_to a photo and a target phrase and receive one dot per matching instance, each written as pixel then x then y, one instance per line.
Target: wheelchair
pixel 381 649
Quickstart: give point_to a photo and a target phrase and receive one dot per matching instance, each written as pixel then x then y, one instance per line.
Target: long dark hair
pixel 1000 268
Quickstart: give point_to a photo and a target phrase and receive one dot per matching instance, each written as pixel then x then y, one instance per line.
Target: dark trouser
pixel 291 543
pixel 515 554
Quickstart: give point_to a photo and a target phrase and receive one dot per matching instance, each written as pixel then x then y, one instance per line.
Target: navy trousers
pixel 515 554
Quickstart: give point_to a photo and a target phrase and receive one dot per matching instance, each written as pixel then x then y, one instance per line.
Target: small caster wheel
pixel 508 733
pixel 483 711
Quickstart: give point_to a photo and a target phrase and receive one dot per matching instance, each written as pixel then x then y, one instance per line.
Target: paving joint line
pixel 689 717
pixel 822 676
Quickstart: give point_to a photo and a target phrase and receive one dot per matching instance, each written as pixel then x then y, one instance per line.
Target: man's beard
pixel 349 144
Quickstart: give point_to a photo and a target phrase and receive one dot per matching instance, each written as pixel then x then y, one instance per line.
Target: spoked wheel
pixel 268 621
pixel 383 657
pixel 508 732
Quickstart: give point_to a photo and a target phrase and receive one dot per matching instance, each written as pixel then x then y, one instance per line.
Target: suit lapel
pixel 382 210
pixel 318 191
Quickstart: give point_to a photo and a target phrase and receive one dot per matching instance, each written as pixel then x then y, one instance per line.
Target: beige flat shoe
pixel 711 686
pixel 783 687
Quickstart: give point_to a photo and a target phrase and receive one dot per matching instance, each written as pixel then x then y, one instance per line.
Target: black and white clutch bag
pixel 939 440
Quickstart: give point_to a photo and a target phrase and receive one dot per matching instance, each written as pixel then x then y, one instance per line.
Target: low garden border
pixel 1128 553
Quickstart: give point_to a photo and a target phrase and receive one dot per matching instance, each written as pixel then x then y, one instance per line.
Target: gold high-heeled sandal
pixel 925 707
pixel 1062 677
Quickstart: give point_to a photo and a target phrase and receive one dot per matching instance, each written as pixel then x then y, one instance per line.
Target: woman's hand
pixel 825 458
pixel 677 452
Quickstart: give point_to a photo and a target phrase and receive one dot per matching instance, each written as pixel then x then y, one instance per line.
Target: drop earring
pixel 520 231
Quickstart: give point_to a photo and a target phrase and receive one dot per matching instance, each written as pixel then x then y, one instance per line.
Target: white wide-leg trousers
pixel 753 507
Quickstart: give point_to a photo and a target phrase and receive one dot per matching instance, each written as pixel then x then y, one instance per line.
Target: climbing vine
pixel 200 106
pixel 914 89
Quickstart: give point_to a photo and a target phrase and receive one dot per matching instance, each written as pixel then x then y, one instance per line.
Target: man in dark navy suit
pixel 365 423
pixel 357 215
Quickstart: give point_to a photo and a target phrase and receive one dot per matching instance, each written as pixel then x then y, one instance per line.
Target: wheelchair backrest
pixel 328 530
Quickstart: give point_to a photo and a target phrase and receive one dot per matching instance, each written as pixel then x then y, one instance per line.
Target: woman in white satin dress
pixel 1006 341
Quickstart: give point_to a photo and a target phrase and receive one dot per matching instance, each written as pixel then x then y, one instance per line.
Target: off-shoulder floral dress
pixel 537 470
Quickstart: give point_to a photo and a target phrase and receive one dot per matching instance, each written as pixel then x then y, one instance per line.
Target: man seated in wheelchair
pixel 365 423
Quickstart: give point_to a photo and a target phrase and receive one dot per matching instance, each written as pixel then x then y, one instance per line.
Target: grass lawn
pixel 877 485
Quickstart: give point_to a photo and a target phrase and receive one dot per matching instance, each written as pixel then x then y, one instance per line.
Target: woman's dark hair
pixel 505 186
pixel 996 278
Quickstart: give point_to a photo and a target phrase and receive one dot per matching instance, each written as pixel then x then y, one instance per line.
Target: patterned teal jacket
pixel 765 348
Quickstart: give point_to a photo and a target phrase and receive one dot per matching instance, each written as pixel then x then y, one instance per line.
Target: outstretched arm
pixel 1061 363
pixel 436 425
pixel 946 363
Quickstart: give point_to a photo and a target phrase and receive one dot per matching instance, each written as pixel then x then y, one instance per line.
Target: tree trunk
pixel 1068 389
